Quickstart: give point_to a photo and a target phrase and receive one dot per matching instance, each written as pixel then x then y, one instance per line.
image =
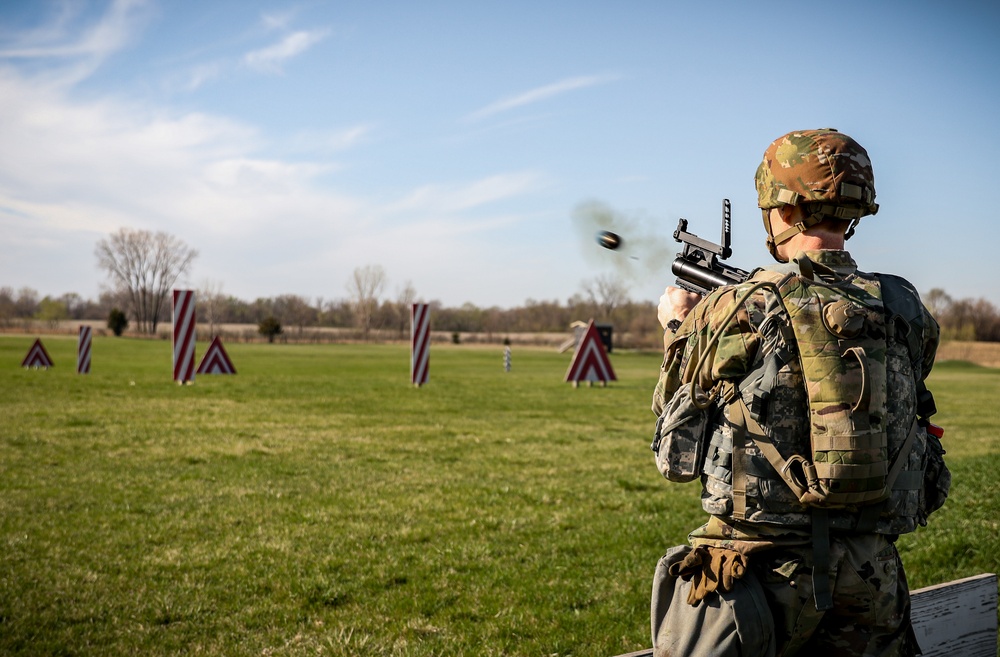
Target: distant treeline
pixel 964 319
pixel 634 323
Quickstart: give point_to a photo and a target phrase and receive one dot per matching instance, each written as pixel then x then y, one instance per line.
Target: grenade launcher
pixel 698 267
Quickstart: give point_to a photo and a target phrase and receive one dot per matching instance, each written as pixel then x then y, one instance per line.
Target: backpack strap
pixel 741 416
pixel 790 470
pixel 822 596
pixel 743 424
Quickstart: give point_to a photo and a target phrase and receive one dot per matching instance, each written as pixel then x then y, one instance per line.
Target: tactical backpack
pixel 838 330
pixel 838 335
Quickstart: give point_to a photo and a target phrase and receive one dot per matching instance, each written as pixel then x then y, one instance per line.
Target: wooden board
pixel 957 618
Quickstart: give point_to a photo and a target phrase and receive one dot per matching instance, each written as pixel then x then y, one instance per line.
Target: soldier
pixel 798 398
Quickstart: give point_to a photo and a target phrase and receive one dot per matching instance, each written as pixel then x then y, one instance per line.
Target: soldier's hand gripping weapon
pixel 698 267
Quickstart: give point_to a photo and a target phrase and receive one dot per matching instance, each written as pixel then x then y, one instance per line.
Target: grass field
pixel 317 504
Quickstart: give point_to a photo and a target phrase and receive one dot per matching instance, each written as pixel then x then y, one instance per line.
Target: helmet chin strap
pixel 774 241
pixel 820 213
pixel 772 247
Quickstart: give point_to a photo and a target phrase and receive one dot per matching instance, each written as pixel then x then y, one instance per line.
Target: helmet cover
pixel 824 166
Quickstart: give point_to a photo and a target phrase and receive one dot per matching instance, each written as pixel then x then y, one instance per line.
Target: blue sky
pixel 463 145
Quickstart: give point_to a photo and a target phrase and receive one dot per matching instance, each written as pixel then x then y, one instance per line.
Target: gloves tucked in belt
pixel 709 569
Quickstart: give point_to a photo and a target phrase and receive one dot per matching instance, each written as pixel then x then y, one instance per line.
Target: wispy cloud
pixel 84 47
pixel 78 166
pixel 100 159
pixel 271 58
pixel 202 74
pixel 266 59
pixel 78 169
pixel 491 189
pixel 61 39
pixel 539 94
pixel 330 141
pixel 277 20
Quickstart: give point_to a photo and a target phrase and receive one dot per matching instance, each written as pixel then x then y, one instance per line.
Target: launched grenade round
pixel 608 240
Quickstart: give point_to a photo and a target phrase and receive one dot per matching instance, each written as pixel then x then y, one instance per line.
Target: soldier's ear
pixel 791 214
pixel 780 218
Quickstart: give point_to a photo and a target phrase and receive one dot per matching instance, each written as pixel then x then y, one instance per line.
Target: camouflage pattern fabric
pixel 748 537
pixel 870 614
pixel 840 335
pixel 771 502
pixel 770 610
pixel 870 593
pixel 816 166
pixel 680 434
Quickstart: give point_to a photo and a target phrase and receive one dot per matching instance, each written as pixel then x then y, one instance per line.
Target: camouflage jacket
pixel 774 513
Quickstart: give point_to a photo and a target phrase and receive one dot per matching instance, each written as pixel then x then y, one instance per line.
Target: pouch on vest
pixel 840 339
pixel 679 441
pixel 840 335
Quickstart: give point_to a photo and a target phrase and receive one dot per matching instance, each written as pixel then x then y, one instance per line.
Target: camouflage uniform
pixel 870 614
pixel 801 420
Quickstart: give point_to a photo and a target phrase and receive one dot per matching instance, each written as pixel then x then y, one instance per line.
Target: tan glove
pixel 709 569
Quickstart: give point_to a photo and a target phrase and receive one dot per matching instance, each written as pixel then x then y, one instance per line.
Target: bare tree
pixel 405 298
pixel 145 266
pixel 6 305
pixel 365 286
pixel 74 305
pixel 26 304
pixel 319 310
pixel 295 310
pixel 606 292
pixel 986 320
pixel 211 302
pixel 938 303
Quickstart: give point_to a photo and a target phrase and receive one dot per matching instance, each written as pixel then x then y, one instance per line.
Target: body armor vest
pixel 833 397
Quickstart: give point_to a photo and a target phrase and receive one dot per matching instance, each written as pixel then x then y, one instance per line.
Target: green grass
pixel 317 504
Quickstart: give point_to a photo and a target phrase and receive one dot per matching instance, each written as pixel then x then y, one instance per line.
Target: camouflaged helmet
pixel 825 171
